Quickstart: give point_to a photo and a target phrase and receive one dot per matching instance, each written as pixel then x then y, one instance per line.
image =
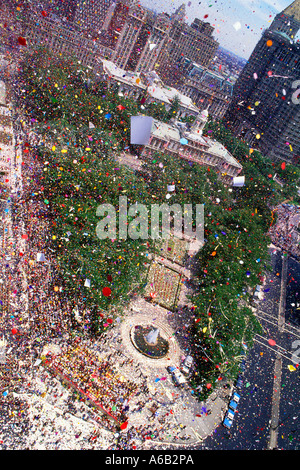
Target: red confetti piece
pixel 106 291
pixel 22 41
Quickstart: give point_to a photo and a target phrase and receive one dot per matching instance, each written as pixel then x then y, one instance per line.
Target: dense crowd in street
pixel 96 378
pixel 285 233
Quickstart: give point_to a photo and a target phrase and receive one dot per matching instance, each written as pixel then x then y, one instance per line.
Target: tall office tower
pixel 288 21
pixel 151 40
pixel 62 9
pixel 194 42
pixel 264 109
pixel 179 14
pixel 129 35
pixel 116 18
pixel 90 14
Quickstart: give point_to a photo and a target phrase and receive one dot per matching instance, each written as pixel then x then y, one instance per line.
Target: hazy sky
pixel 238 23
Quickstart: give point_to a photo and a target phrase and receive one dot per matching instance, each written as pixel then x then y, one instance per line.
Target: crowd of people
pixel 96 378
pixel 285 233
pixel 47 315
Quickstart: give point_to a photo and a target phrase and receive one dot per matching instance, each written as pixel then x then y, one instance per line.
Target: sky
pixel 238 23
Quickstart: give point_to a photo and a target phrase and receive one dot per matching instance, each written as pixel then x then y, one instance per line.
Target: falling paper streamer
pixel 140 130
pixel 237 25
pixel 239 181
pixel 87 283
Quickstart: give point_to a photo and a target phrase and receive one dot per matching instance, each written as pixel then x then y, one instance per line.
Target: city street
pixel 251 425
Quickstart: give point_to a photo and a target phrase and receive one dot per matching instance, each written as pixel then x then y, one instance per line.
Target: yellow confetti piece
pixel 53 148
pixel 291 368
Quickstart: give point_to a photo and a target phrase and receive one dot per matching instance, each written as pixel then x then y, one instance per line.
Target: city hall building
pixel 177 139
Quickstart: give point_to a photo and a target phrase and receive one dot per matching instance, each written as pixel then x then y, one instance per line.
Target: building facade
pixel 207 88
pixel 63 39
pixel 146 85
pixel 262 110
pixel 90 14
pixel 194 41
pixel 192 146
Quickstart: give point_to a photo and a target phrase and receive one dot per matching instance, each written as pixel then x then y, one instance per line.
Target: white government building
pixel 191 145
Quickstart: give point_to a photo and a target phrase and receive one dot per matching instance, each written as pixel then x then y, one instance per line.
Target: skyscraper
pixel 262 110
pixel 90 14
pixel 129 34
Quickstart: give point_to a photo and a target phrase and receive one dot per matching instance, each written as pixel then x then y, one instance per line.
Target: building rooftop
pixel 149 81
pixel 165 131
pixel 125 76
pixel 218 149
pixel 169 132
pixel 293 10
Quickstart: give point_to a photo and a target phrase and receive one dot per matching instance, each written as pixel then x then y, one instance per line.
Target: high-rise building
pixel 179 14
pixel 207 88
pixel 115 19
pixel 90 14
pixel 129 34
pixel 263 110
pixel 152 38
pixel 194 41
pixel 138 35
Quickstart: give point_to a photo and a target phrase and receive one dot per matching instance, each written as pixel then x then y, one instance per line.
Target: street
pixel 251 425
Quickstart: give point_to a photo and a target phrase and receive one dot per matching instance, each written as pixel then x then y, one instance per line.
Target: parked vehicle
pixel 171 369
pixel 176 375
pixel 239 382
pixel 187 365
pixel 234 401
pixel 178 378
pixel 243 365
pixel 227 422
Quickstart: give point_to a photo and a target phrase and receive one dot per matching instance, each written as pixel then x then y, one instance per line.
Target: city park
pixel 83 125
